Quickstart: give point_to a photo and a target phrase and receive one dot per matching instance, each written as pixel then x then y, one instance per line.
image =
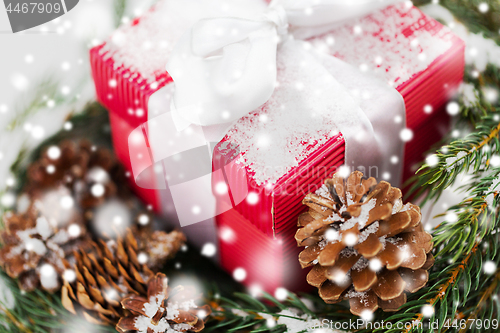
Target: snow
pixel 331 235
pixel 371 229
pixel 427 311
pixel 457 159
pixel 394 240
pixel 398 205
pixel 297 323
pixel 43 228
pixel 143 323
pixel 209 250
pixel 294 126
pixel 324 192
pixel 405 207
pixel 49 278
pixel 468 92
pixel 492 191
pixel 173 308
pixel 239 313
pixel 361 264
pixel 29 244
pixel 362 295
pixel 489 267
pixel 347 252
pixel 489 200
pixel 362 218
pixel 388 53
pixel 154 305
pixel 60 237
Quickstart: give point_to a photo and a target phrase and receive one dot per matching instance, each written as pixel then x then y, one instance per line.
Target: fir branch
pixel 246 313
pixel 119 6
pixel 474 219
pixel 47 89
pixel 457 247
pixel 441 290
pixel 480 306
pixel 468 155
pixel 44 91
pixel 467 12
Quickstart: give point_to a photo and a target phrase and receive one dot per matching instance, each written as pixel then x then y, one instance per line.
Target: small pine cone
pixel 36 252
pixel 159 246
pixel 88 172
pixel 164 310
pixel 105 276
pixel 363 244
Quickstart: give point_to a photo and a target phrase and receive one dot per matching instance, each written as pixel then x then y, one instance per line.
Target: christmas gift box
pixel 273 156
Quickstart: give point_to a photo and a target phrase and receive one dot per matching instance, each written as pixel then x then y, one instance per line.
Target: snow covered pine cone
pixel 115 270
pixel 363 244
pixel 163 310
pixel 36 251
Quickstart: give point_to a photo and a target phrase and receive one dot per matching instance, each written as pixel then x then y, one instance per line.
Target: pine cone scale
pixel 394 225
pixel 363 279
pixel 331 292
pixel 370 247
pixel 366 302
pixel 316 276
pixel 394 304
pixel 330 253
pixel 414 279
pixel 389 285
pixel 135 304
pixel 341 267
pixel 391 257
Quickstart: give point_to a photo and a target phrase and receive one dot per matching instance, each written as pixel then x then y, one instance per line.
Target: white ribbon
pixel 224 68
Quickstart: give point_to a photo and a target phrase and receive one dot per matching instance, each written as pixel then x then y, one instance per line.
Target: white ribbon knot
pixel 277 15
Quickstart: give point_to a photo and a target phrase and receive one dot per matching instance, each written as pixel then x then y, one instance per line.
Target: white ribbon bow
pixel 224 68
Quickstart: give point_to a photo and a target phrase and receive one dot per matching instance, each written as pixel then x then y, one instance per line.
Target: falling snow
pixel 455 160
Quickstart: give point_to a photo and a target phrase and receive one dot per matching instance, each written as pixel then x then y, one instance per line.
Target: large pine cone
pixel 113 271
pixel 163 310
pixel 363 244
pixel 36 251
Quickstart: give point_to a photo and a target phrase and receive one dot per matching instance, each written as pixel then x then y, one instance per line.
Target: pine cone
pixel 163 310
pixel 363 244
pixel 159 246
pixel 36 251
pixel 91 174
pixel 113 271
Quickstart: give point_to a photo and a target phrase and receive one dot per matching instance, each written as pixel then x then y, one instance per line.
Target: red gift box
pixel 425 65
